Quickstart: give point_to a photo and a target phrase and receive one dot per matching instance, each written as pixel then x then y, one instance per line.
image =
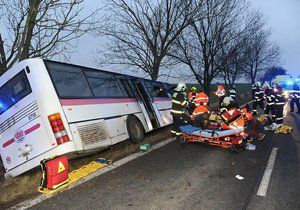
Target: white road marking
pixel 31 202
pixel 263 187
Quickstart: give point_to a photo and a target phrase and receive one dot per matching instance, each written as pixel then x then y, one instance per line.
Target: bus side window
pixel 69 81
pixel 156 89
pixel 105 84
pixel 127 88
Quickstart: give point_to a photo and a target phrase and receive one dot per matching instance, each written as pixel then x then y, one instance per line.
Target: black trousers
pixel 292 104
pixel 257 103
pixel 178 120
pixel 270 109
pixel 279 113
pixel 221 98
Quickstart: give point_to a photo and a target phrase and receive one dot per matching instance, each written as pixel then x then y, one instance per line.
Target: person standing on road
pixel 232 92
pixel 295 99
pixel 258 98
pixel 279 104
pixel 220 93
pixel 192 96
pixel 270 102
pixel 201 99
pixel 179 104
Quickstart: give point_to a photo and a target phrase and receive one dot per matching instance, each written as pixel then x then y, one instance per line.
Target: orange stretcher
pixel 232 139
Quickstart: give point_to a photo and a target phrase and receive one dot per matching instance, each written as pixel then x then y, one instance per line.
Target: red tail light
pixel 58 128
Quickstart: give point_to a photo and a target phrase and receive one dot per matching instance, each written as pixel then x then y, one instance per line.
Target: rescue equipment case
pixel 55 172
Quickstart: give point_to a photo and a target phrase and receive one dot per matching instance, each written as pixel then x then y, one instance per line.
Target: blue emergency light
pixel 289 82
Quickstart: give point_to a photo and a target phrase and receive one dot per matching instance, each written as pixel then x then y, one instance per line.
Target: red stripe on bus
pixel 33 128
pixel 28 131
pixel 162 99
pixel 9 142
pixel 70 102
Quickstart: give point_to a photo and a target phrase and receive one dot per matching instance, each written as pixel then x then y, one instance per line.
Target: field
pixel 25 186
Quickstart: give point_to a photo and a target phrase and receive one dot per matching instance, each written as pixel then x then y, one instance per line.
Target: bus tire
pixel 135 129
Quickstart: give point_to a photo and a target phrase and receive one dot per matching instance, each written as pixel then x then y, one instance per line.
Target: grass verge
pixel 20 188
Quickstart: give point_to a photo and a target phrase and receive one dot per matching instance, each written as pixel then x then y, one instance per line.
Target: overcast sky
pixel 283 17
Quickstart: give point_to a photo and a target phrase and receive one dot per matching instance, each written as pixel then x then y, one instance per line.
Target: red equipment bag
pixel 55 172
pixel 231 115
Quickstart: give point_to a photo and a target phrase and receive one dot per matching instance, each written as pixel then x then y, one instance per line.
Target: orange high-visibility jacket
pixel 220 91
pixel 200 110
pixel 232 119
pixel 201 99
pixel 192 96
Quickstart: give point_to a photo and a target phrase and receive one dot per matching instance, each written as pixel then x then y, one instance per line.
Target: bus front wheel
pixel 135 129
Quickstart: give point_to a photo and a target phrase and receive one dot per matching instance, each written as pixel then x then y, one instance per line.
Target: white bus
pixel 49 108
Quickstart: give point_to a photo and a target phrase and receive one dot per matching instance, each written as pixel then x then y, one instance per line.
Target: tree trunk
pixel 30 24
pixel 154 74
pixel 3 61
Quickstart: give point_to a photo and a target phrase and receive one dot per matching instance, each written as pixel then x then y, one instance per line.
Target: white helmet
pixel 227 100
pixel 258 84
pixel 180 87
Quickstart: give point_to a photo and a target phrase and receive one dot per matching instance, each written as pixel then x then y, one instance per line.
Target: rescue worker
pixel 258 99
pixel 232 92
pixel 279 104
pixel 295 98
pixel 201 98
pixel 179 103
pixel 253 88
pixel 227 104
pixel 200 116
pixel 192 96
pixel 270 102
pixel 220 93
pixel 232 117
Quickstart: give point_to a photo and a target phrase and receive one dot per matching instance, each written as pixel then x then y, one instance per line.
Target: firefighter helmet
pixel 227 100
pixel 193 88
pixel 180 87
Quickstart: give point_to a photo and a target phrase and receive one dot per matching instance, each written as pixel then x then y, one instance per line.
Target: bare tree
pixel 261 54
pixel 142 32
pixel 206 45
pixel 41 28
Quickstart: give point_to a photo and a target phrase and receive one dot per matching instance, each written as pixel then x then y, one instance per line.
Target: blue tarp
pixel 189 129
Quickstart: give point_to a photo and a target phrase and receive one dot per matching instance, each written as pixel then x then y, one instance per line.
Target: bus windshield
pixel 13 91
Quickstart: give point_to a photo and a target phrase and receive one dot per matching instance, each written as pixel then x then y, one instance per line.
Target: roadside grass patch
pixel 18 189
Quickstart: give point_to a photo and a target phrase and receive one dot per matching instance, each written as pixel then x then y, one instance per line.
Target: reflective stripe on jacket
pixel 178 103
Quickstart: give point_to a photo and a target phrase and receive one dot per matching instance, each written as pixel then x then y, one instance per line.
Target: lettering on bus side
pixel 32 116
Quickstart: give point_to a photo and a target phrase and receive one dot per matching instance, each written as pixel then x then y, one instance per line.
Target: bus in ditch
pixel 49 108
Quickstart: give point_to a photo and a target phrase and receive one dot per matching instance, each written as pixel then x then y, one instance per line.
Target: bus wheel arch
pixel 135 129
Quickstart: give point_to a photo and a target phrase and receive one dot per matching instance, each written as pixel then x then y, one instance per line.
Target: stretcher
pixel 232 139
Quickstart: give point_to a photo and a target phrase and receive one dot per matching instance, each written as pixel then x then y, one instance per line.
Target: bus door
pixel 147 101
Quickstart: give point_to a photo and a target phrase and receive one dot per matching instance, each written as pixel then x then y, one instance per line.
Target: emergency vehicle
pixel 287 83
pixel 50 108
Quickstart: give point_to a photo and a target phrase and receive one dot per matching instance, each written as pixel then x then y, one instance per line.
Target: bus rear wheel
pixel 135 129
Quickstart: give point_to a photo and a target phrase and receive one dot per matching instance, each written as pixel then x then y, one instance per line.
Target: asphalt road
pixel 196 177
